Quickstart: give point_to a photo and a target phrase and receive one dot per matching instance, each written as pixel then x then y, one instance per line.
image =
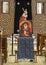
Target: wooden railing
pixel 4 47
pixel 40 42
pixel 0 50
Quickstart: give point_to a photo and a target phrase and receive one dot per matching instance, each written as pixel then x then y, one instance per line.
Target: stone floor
pixel 40 61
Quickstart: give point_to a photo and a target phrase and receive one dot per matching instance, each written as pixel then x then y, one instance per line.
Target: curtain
pixel 19 4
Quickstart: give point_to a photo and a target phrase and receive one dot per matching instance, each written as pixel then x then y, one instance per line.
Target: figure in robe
pixel 25 26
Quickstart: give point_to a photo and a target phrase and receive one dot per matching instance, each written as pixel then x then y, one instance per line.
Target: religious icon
pixel 25 26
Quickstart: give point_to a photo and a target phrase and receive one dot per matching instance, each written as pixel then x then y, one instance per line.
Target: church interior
pixel 22 32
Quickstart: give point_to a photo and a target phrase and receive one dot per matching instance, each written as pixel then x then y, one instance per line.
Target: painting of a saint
pixel 25 26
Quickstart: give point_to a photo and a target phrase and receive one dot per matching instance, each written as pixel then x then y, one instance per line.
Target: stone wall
pixel 39 21
pixel 7 20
